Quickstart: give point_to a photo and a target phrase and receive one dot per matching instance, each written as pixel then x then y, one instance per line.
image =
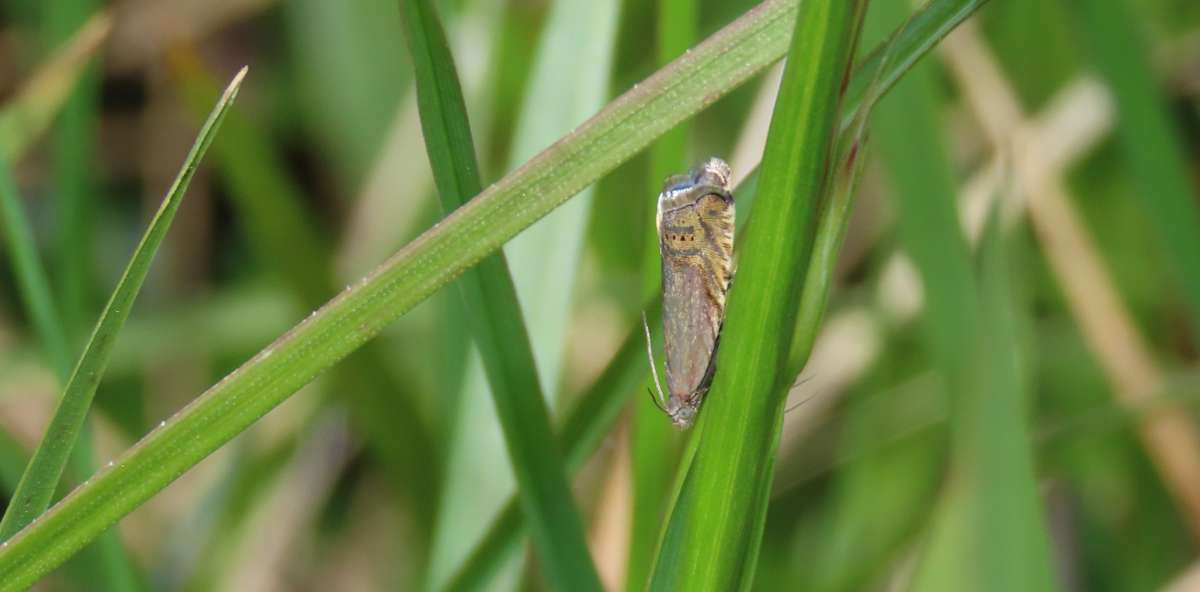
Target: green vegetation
pixel 393 337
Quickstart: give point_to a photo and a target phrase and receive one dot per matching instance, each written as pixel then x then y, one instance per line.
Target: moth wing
pixel 690 323
pixel 695 281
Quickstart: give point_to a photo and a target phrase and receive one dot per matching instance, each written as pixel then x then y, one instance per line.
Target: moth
pixel 695 239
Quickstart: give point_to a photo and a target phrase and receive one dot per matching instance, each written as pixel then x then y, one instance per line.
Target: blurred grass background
pixel 1075 123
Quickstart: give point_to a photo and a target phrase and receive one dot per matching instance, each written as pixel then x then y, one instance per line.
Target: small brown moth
pixel 695 239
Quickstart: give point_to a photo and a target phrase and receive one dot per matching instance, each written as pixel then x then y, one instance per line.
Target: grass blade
pixel 904 48
pixel 21 122
pixel 563 92
pixel 568 81
pixel 625 126
pixel 653 443
pixel 714 531
pixel 36 487
pixel 106 556
pixel 74 151
pixel 347 91
pixel 581 434
pixel 1149 140
pixel 31 276
pixel 495 317
pixel 610 391
pixel 970 348
pixel 271 207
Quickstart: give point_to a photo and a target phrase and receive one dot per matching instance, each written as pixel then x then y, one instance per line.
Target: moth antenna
pixel 799 381
pixel 654 400
pixel 799 403
pixel 802 401
pixel 661 401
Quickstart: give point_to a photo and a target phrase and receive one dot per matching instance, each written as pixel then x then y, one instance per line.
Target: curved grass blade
pixel 714 532
pixel 628 124
pixel 36 487
pixel 495 318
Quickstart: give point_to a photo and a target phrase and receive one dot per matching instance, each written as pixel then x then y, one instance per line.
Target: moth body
pixel 695 230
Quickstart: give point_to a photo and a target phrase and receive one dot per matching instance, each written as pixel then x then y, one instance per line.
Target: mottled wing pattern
pixel 695 229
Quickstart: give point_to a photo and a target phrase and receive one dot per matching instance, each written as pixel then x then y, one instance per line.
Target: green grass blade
pixel 74 151
pixel 270 205
pixel 584 429
pixel 21 122
pixel 31 282
pixel 495 317
pixel 653 443
pixel 989 533
pixel 714 531
pixel 348 90
pixel 568 81
pixel 267 201
pixel 31 279
pixel 1149 139
pixel 26 116
pixel 892 59
pixel 106 556
pixel 872 81
pixel 834 216
pixel 970 349
pixel 628 124
pixel 33 493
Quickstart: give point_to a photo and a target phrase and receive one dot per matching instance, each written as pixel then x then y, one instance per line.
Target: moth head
pixel 695 187
pixel 713 171
pixel 682 413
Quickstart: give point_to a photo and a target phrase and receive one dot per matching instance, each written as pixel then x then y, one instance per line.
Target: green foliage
pixel 945 406
pixel 41 476
pixel 490 300
pixel 715 528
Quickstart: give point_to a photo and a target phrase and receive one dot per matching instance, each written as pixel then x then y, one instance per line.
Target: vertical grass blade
pixel 715 528
pixel 494 316
pixel 988 533
pixel 568 81
pixel 74 152
pixel 31 279
pixel 653 445
pixel 991 464
pixel 348 91
pixel 36 487
pixel 1150 142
